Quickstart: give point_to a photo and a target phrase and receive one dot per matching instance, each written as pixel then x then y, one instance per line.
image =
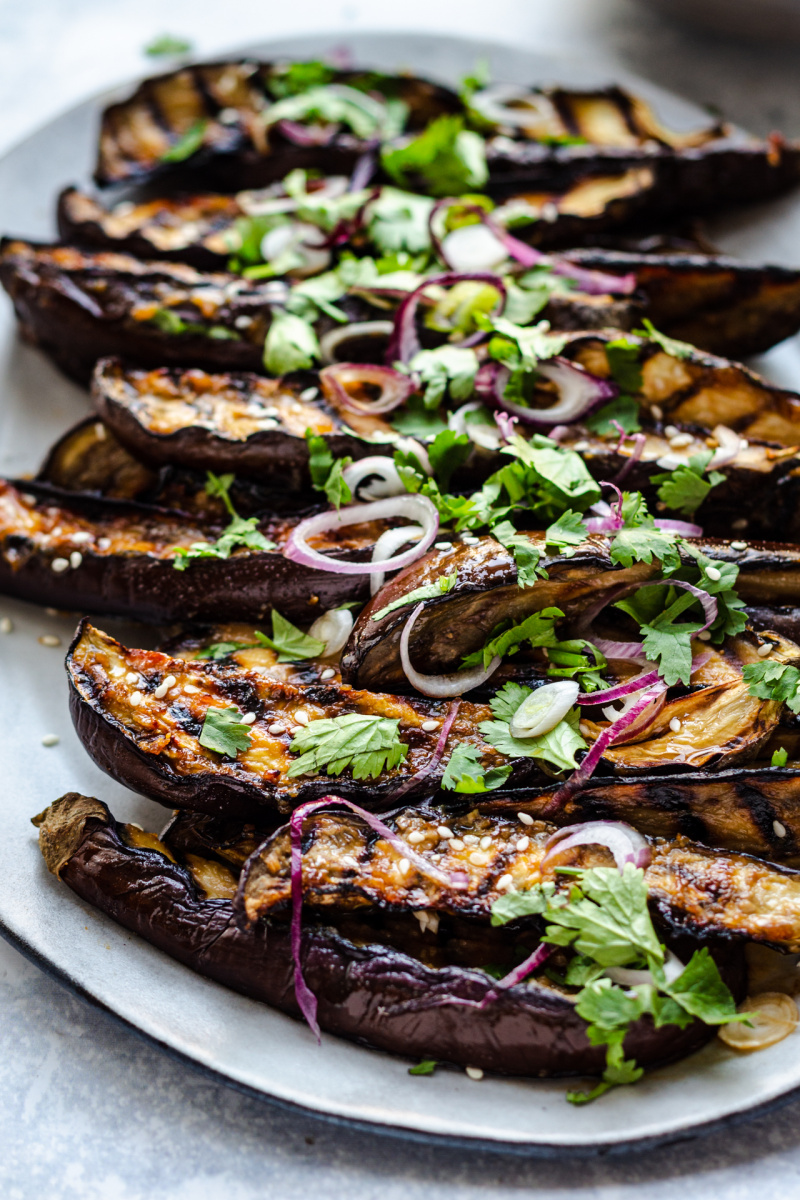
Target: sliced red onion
pixel 610 524
pixel 526 968
pixel 729 446
pixel 506 423
pixel 395 387
pixel 485 436
pixel 642 721
pixel 418 509
pixel 639 441
pixel 362 172
pixel 645 679
pixel 387 545
pixel 626 977
pixel 333 628
pixel 633 651
pixel 388 482
pixel 579 392
pixel 440 686
pixel 616 592
pixel 625 843
pixel 306 999
pixel 436 757
pixel 709 603
pixel 405 343
pixel 306 135
pixel 682 528
pixel 340 335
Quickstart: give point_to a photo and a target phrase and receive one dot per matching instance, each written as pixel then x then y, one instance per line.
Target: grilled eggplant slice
pixel 96 555
pixel 211 116
pixel 152 744
pixel 241 423
pixel 249 653
pixel 383 983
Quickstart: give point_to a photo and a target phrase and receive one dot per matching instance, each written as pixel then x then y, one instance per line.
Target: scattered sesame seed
pixel 75 559
pixel 28 498
pixel 103 543
pixel 100 429
pixel 469 540
pixel 525 818
pixel 705 635
pixel 740 523
pixel 470 839
pixel 248 718
pixel 243 322
pixel 765 649
pixel 680 440
pixel 738 545
pixel 485 842
pixel 404 866
pixel 474 1073
pixel 275 729
pixel 164 687
pixel 503 882
pixel 301 716
pixel 657 411
pixel 132 677
pixel 59 564
pixel 523 844
pixel 479 858
pixel 6 624
pixel 429 726
pixel 310 393
pixel 228 116
pixel 328 673
pixel 80 536
pixel 675 725
pixel 444 832
pixel 136 698
pixel 116 672
pixel 714 573
pixel 671 431
pixel 581 447
pixel 49 639
pixel 584 728
pixel 780 830
pixel 190 690
pixel 51 739
pixel 443 545
pixel 416 837
pixel 457 843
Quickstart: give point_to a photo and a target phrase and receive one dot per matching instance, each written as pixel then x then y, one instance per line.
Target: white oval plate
pixel 245 1042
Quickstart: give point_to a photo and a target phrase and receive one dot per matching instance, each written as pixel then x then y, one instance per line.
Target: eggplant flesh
pixel 706 891
pixel 368 989
pixel 96 555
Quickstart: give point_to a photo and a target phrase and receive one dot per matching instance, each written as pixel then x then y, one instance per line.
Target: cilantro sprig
pixel 774 681
pixel 686 487
pixel 465 772
pixel 448 158
pixel 558 747
pixel 224 732
pixel 240 531
pixel 368 745
pixel 429 591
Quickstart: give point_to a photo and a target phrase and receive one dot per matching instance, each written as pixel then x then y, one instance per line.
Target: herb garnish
pixel 327 472
pixel 166 46
pixel 780 757
pixel 291 344
pixel 368 745
pixel 669 345
pixel 429 591
pixel 536 630
pixel 225 732
pixel 449 158
pixel 464 772
pixel 685 488
pixel 557 747
pixel 187 144
pixel 168 321
pixel 774 681
pixel 426 1067
pixel 240 531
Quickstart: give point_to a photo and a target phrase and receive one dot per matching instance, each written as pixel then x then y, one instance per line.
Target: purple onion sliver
pixel 634 651
pixel 624 842
pixel 526 968
pixel 404 342
pixel 639 441
pixel 682 528
pixel 305 135
pixel 362 172
pixel 435 758
pixel 636 684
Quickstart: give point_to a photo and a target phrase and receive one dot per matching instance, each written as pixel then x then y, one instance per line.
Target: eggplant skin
pixel 138 580
pixel 163 418
pixel 370 993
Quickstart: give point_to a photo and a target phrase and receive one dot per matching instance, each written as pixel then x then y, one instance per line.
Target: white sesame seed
pixel 404 866
pixel 28 498
pixel 275 728
pixel 525 818
pixel 328 673
pixel 470 839
pixel 132 677
pixel 503 882
pixel 581 447
pixel 585 730
pixel 444 832
pixel 136 698
pixel 738 545
pixel 485 842
pixel 59 564
pixel 50 739
pixel 680 440
pixel 116 672
pixel 479 858
pixel 49 639
pixel 100 429
pixel 75 559
pixel 429 726
pixel 228 116
pixel 248 718
pixel 6 624
pixel 780 830
pixel 80 537
pixel 243 322
pixel 671 431
pixel 764 650
pixel 474 1073
pixel 523 844
pixel 161 690
pixel 301 716
pixel 416 837
pixel 704 635
pixel 469 540
pixel 675 725
pixel 457 843
pixel 310 393
pixel 740 523
pixel 443 545
pixel 190 690
pixel 657 411
pixel 104 543
pixel 714 573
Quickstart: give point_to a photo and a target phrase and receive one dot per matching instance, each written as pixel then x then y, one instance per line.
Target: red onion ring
pixel 362 171
pixel 639 441
pixel 306 1000
pixel 439 686
pixel 414 508
pixel 395 387
pixel 579 392
pixel 387 545
pixel 625 843
pixel 624 650
pixel 645 679
pixel 306 135
pixel 435 758
pixel 682 528
pixel 404 342
pixel 389 482
pixel 526 968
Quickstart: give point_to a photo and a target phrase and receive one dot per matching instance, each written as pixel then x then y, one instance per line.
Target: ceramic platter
pixel 241 1041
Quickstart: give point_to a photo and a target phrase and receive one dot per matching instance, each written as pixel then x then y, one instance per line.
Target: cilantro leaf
pixel 287 79
pixel 623 362
pixel 774 681
pixel 216 651
pixel 166 46
pixel 365 115
pixel 701 992
pixel 529 344
pixel 449 158
pixel 368 745
pixel 429 591
pixel 669 345
pixel 240 531
pixel 607 918
pixel 187 144
pixel 416 420
pixel 623 410
pixel 537 630
pixel 506 702
pixel 326 471
pixel 291 344
pixel 290 643
pixel 397 221
pixel 557 747
pixel 685 488
pixel 568 531
pixel 447 452
pixel 561 473
pixel 779 757
pixel 670 647
pixel 225 732
pixel 426 1067
pixel 464 772
pixel 512 905
pixel 643 543
pixel 447 369
pixel 526 553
